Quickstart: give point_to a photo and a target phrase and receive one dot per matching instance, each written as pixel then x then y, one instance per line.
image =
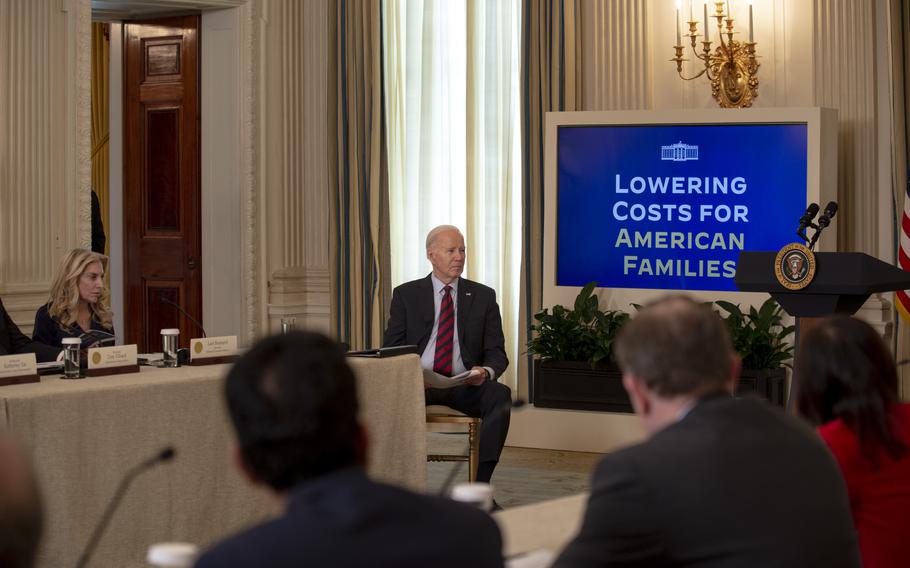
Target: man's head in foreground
pixel 293 402
pixel 673 352
pixel 20 507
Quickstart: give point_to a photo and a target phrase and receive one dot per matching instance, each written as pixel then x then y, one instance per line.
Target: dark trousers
pixel 492 403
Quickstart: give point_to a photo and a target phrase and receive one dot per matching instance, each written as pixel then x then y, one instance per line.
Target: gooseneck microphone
pixel 447 484
pixel 823 221
pixel 806 221
pixel 165 455
pixel 163 300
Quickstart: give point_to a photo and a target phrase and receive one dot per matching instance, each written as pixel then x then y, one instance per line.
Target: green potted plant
pixel 763 341
pixel 573 363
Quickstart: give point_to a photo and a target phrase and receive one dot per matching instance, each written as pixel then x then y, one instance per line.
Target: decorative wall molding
pixel 294 181
pixel 616 66
pixel 45 166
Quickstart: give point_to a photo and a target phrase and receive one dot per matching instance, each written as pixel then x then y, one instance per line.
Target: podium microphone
pixel 823 221
pixel 163 300
pixel 447 484
pixel 165 455
pixel 806 221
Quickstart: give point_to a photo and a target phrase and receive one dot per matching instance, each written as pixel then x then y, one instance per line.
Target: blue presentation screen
pixel 672 206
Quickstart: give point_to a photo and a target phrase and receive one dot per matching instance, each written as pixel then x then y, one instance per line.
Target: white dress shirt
pixel 428 358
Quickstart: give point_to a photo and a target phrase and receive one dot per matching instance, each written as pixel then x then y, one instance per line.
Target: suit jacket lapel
pixel 427 308
pixel 465 298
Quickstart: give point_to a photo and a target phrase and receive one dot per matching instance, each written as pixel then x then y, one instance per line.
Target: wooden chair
pixel 443 415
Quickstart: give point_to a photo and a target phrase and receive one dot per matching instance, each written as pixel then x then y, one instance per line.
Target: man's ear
pixel 362 445
pixel 638 394
pixel 736 365
pixel 241 465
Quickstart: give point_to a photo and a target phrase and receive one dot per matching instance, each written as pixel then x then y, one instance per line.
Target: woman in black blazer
pixel 79 302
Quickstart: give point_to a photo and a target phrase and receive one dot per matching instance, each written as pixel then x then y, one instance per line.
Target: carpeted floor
pixel 523 475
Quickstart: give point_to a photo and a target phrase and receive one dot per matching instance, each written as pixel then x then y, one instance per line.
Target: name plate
pixel 118 356
pixel 18 369
pixel 213 350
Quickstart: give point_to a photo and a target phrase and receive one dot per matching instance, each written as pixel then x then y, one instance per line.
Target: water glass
pixel 71 356
pixel 169 347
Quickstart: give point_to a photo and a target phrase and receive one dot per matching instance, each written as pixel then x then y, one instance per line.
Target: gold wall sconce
pixel 731 67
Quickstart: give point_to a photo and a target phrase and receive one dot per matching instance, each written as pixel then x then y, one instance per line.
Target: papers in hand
pixel 436 381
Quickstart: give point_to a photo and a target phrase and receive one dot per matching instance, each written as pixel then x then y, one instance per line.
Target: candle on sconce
pixel 678 35
pixel 691 17
pixel 707 29
pixel 750 22
pixel 729 13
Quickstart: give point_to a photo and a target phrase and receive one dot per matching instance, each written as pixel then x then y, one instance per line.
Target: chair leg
pixel 474 453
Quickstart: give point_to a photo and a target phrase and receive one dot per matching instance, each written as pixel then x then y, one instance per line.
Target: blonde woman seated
pixel 79 303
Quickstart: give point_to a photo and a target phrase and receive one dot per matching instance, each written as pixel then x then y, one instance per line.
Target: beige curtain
pixel 452 84
pixel 550 81
pixel 900 158
pixel 359 175
pixel 100 127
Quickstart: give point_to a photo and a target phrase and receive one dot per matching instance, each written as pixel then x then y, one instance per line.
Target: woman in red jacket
pixel 847 383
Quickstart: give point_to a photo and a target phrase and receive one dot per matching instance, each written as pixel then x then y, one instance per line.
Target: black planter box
pixel 769 385
pixel 576 386
pixel 573 385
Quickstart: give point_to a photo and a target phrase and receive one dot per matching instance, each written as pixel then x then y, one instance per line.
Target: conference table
pixel 545 526
pixel 84 435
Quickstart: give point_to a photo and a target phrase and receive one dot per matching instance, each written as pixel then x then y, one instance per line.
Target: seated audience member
pixel 720 481
pixel 20 508
pixel 293 403
pixel 79 301
pixel 13 341
pixel 847 382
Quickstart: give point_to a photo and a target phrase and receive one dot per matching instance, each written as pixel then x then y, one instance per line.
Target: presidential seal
pixel 794 266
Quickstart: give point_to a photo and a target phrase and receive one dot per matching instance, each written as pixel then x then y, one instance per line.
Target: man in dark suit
pixel 293 403
pixel 13 341
pixel 456 326
pixel 721 481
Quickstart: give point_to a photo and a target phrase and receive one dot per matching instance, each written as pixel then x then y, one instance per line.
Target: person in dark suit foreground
pixel 456 326
pixel 13 341
pixel 293 403
pixel 721 481
pixel 21 517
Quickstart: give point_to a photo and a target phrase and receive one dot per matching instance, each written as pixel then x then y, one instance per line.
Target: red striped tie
pixel 445 334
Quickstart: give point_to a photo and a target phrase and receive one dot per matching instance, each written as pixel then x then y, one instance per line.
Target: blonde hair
pixel 64 299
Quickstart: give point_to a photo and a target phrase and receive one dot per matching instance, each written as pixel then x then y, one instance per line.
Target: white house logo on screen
pixel 679 152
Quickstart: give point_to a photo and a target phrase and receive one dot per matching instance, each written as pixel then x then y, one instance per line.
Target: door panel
pixel 162 214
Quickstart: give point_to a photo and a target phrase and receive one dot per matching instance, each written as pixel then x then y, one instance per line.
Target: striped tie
pixel 445 334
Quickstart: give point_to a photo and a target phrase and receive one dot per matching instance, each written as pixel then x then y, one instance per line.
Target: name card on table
pixel 112 360
pixel 213 350
pixel 18 369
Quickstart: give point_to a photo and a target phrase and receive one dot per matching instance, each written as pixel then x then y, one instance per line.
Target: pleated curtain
pixel 549 82
pixel 358 175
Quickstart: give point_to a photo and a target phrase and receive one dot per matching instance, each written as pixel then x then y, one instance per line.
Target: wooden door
pixel 161 179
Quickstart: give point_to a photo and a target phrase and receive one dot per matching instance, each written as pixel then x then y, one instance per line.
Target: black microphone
pixel 165 455
pixel 806 221
pixel 446 485
pixel 163 300
pixel 823 221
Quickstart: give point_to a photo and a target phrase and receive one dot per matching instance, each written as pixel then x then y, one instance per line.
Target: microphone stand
pixel 165 455
pixel 164 300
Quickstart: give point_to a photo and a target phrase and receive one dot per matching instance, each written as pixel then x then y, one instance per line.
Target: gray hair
pixel 435 231
pixel 676 346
